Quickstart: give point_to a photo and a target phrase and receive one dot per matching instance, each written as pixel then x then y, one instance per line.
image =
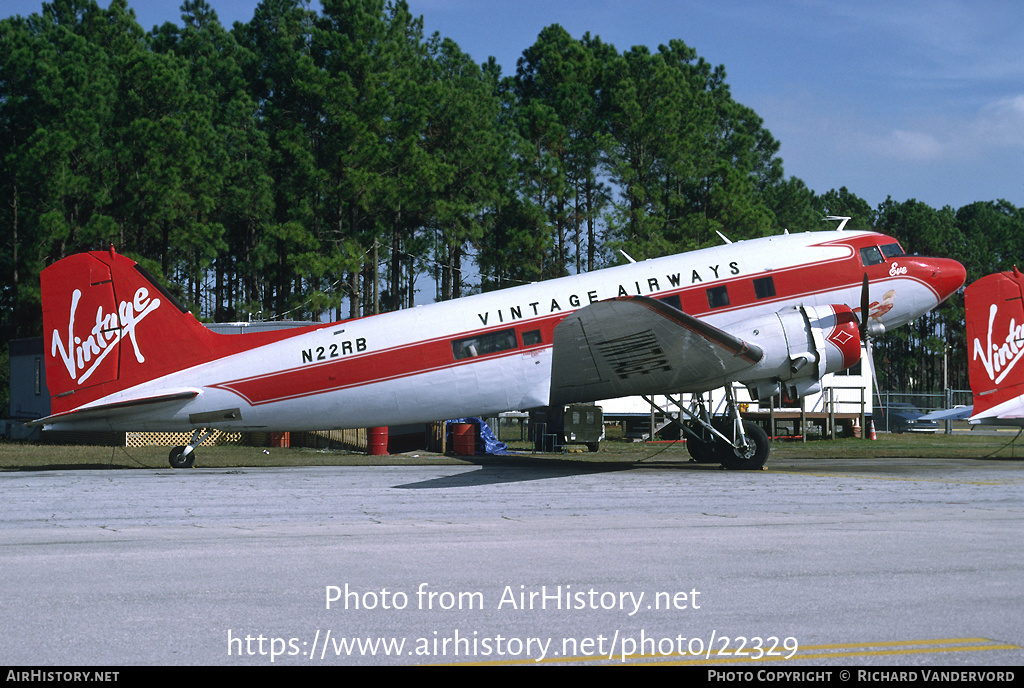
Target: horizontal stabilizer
pixel 958 413
pixel 116 409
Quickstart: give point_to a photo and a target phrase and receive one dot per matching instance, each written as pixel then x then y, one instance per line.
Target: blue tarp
pixel 486 441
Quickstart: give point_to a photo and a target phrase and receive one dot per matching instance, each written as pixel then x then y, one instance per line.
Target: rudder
pixel 994 312
pixel 108 326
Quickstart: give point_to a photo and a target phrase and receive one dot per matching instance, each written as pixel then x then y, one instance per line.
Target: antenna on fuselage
pixel 838 217
pixel 628 257
pixel 724 238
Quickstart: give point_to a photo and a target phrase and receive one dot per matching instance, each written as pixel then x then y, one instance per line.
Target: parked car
pixel 902 417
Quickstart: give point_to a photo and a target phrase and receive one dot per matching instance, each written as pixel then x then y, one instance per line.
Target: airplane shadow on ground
pixel 512 469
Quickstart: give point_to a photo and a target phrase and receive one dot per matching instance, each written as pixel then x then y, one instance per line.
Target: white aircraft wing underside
pixel 638 345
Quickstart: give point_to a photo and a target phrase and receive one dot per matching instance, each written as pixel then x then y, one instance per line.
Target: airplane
pixel 770 313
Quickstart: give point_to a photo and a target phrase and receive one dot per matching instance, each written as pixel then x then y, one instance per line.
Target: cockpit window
pixel 870 255
pixel 892 251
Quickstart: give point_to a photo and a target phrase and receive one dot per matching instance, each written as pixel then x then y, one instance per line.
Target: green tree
pixel 228 190
pixel 558 84
pixel 60 88
pixel 517 244
pixel 468 158
pixel 843 203
pixel 650 113
pixel 282 255
pixel 993 238
pixel 378 173
pixel 794 206
pixel 688 160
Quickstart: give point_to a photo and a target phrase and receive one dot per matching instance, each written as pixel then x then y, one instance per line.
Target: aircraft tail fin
pixel 995 338
pixel 108 326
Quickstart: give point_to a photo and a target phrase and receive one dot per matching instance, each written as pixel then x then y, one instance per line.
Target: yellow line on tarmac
pixel 894 647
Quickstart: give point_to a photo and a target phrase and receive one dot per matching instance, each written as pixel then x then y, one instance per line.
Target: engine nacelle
pixel 800 345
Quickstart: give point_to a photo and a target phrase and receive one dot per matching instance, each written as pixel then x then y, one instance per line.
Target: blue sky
pixel 918 99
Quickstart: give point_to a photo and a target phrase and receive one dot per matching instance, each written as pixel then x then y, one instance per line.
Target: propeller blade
pixel 865 334
pixel 865 302
pixel 869 355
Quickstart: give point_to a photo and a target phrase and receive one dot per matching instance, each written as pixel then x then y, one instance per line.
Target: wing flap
pixel 638 345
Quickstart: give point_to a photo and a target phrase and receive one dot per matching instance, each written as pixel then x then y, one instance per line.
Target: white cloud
pixel 996 126
pixel 911 145
pixel 1001 123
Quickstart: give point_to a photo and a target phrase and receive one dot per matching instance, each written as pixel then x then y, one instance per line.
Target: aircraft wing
pixel 638 345
pixel 958 413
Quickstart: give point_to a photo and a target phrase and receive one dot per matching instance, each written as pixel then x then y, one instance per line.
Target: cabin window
pixel 673 301
pixel 764 287
pixel 870 255
pixel 532 338
pixel 484 344
pixel 892 251
pixel 718 297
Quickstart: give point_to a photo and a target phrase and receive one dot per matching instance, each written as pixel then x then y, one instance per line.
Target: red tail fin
pixel 108 326
pixel 995 338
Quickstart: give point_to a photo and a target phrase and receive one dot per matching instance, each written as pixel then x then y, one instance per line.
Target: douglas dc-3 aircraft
pixel 769 313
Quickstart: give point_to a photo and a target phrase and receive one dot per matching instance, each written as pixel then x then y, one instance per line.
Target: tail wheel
pixel 753 456
pixel 179 459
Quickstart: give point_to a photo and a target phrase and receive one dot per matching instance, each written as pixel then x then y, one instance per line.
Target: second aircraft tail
pixel 994 308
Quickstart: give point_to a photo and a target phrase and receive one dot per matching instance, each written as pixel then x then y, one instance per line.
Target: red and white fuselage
pixel 121 355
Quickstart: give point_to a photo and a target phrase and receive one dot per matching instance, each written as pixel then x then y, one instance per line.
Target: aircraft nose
pixel 949 275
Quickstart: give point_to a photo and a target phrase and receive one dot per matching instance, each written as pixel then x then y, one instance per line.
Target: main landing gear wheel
pixel 708 439
pixel 700 450
pixel 179 459
pixel 752 456
pixel 705 449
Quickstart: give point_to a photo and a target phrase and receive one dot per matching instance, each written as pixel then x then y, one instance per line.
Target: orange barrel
pixel 378 441
pixel 464 439
pixel 280 439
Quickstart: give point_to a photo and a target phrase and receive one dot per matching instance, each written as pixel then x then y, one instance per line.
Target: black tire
pixel 702 449
pixel 179 459
pixel 756 454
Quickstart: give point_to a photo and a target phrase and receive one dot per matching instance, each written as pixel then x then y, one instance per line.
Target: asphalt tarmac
pixel 813 562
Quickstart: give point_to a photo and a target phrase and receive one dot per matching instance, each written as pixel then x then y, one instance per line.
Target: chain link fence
pixel 906 405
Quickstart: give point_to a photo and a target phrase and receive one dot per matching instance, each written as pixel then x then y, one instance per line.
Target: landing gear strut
pixel 184 457
pixel 729 440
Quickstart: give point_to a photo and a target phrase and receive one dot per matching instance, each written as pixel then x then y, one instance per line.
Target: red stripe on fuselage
pixel 355 371
pixel 791 284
